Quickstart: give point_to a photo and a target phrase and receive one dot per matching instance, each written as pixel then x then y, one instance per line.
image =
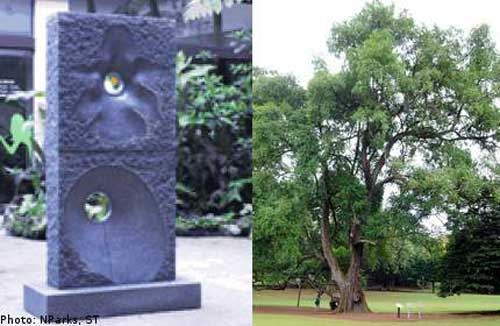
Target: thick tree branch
pixel 385 154
pixel 326 244
pixel 326 240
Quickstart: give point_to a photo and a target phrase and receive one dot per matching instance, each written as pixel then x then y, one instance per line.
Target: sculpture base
pixel 42 300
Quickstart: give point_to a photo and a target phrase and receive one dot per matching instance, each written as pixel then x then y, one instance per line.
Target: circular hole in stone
pixel 113 83
pixel 98 207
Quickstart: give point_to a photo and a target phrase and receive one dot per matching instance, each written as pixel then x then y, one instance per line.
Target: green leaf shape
pixel 21 131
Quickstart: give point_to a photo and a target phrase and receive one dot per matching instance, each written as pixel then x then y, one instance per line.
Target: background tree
pixel 278 232
pixel 407 98
pixel 472 260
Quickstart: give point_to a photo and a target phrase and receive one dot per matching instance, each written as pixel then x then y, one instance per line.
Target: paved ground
pixel 223 265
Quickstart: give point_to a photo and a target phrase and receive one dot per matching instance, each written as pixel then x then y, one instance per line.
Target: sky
pixel 287 34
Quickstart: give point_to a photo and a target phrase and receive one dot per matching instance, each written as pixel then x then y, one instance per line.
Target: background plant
pixel 25 214
pixel 214 153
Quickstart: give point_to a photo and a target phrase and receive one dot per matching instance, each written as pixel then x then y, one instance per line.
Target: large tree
pixel 405 97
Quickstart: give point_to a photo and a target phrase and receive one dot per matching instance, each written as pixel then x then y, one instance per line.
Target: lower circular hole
pixel 98 207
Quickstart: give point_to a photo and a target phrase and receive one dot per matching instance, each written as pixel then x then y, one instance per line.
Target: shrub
pixel 27 217
pixel 214 155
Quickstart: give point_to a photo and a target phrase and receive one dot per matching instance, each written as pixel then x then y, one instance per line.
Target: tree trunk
pixel 326 244
pixel 352 297
pixel 298 298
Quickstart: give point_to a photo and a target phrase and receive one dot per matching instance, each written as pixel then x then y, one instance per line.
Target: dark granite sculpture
pixel 110 149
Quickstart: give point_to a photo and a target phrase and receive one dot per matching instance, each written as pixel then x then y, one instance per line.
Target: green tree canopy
pixel 408 106
pixel 472 260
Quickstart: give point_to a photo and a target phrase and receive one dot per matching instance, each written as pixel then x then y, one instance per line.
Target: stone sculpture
pixel 110 152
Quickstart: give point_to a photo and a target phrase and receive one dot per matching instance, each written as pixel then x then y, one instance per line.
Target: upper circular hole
pixel 98 207
pixel 113 83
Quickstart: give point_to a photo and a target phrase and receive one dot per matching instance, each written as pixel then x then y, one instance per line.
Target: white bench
pixel 411 307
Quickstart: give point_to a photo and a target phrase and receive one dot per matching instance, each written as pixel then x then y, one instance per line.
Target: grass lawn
pixel 386 301
pixel 286 320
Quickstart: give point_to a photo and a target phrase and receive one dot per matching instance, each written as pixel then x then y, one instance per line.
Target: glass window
pixel 106 6
pixel 16 17
pixel 13 73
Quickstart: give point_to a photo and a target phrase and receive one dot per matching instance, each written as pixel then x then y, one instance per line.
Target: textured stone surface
pixel 82 50
pixel 121 144
pixel 137 242
pixel 41 300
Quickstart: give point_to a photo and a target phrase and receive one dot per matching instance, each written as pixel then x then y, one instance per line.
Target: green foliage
pixel 14 180
pixel 234 190
pixel 281 218
pixel 425 86
pixel 279 243
pixel 406 109
pixel 214 155
pixel 27 219
pixel 275 88
pixel 206 223
pixel 187 72
pixel 197 9
pixel 216 224
pixel 472 260
pixel 97 207
pixel 21 129
pixel 405 260
pixel 373 17
pixel 21 134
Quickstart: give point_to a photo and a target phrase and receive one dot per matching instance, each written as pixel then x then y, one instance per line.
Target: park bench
pixel 410 307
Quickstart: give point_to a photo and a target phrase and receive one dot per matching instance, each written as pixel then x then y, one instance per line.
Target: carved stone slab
pixel 137 242
pixel 110 130
pixel 112 83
